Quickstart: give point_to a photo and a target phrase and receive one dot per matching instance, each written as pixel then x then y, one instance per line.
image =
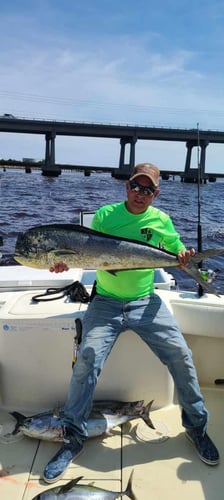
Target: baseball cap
pixel 147 169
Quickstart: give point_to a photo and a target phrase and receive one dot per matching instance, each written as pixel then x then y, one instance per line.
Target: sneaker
pixel 57 466
pixel 206 449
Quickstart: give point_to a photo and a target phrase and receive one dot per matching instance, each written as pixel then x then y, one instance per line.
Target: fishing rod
pixel 207 274
pixel 199 230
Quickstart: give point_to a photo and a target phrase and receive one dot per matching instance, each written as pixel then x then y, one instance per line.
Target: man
pixel 127 300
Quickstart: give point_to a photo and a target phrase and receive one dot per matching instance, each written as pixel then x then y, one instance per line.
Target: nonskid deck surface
pixel 165 463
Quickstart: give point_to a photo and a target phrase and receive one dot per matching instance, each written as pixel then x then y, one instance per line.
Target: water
pixel 32 199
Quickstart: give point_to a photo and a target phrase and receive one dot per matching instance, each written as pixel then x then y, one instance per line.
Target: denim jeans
pixel 149 317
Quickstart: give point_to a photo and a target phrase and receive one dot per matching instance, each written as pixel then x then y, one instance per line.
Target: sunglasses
pixel 147 191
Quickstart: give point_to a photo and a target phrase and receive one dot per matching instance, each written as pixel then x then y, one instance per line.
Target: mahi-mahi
pixel 77 246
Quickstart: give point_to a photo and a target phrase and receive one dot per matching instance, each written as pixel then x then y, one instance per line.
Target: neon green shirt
pixel 153 227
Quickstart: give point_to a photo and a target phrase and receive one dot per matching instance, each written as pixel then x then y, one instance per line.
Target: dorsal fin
pixel 66 487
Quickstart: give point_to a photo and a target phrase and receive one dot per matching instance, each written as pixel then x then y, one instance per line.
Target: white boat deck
pixel 165 463
pixel 164 468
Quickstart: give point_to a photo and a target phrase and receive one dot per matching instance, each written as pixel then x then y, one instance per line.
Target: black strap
pixel 75 291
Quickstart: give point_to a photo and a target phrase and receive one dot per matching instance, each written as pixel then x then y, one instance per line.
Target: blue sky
pixel 154 63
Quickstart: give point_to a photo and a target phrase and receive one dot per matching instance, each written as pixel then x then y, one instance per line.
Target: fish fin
pixel 92 483
pixel 145 414
pixel 56 412
pixel 194 273
pixel 20 418
pixel 206 254
pixel 66 487
pixel 135 405
pixel 115 271
pixel 139 403
pixel 63 252
pixel 129 492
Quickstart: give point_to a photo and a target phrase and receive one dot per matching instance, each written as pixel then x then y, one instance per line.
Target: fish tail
pixel 145 415
pixel 194 273
pixel 19 420
pixel 129 492
pixel 206 254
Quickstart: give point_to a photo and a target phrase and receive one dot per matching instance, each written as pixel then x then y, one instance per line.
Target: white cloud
pixel 120 77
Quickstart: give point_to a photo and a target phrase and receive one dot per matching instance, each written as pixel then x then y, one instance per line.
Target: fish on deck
pixel 73 490
pixel 49 425
pixel 43 246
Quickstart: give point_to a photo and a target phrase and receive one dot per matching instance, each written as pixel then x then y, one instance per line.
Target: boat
pixel 36 349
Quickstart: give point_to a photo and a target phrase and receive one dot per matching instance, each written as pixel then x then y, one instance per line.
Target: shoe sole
pixel 208 462
pixel 53 480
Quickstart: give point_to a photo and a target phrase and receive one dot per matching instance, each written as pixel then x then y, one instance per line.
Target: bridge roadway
pixel 33 126
pixel 128 135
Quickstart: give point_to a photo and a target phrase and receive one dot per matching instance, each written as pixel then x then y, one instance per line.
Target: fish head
pixel 33 248
pixel 45 427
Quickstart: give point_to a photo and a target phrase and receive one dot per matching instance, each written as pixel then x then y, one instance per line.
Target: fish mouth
pixel 20 255
pixel 18 258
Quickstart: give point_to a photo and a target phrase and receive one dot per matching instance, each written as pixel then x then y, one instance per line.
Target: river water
pixel 32 199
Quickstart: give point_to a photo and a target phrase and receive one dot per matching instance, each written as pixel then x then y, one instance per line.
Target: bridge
pixel 128 136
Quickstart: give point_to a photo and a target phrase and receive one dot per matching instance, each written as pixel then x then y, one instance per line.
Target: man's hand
pixel 60 267
pixel 184 257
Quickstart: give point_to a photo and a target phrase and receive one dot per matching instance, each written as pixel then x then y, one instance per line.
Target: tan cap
pixel 147 169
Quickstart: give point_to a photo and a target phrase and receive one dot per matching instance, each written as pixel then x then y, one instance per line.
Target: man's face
pixel 138 201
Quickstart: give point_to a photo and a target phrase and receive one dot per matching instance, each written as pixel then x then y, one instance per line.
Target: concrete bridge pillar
pixel 189 146
pixel 50 169
pixel 52 153
pixel 191 174
pixel 125 167
pixel 47 149
pixel 204 145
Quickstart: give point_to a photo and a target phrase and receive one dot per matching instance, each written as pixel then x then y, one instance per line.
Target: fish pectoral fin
pixel 115 271
pixel 67 487
pixel 92 483
pixel 60 252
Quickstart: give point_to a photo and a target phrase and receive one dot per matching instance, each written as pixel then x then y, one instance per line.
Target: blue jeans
pixel 149 317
